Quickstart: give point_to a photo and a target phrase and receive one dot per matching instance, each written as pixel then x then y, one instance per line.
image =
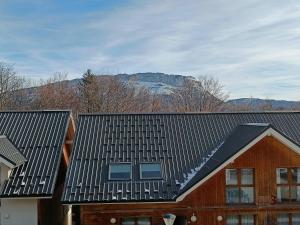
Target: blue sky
pixel 251 46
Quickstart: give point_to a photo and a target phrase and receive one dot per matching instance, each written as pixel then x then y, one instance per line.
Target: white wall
pixel 17 211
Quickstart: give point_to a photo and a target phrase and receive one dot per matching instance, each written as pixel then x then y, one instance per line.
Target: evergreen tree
pixel 89 92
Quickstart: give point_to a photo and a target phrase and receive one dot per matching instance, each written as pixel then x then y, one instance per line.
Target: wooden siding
pixel 208 201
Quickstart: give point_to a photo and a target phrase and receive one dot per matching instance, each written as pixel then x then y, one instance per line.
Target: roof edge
pixel 185 113
pixel 61 153
pixel 27 111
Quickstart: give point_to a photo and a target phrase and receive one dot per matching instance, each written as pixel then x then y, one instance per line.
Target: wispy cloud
pixel 252 46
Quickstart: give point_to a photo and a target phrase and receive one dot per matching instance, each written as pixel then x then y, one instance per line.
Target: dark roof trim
pixel 69 122
pixel 184 113
pixel 118 202
pixel 16 196
pixel 32 111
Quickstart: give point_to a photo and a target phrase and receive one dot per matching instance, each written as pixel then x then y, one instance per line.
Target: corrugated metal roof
pixel 10 153
pixel 39 136
pixel 180 142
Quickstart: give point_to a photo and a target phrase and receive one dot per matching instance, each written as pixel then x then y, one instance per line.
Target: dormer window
pixel 120 171
pixel 150 171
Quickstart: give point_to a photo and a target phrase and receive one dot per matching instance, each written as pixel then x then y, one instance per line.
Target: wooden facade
pixel 208 201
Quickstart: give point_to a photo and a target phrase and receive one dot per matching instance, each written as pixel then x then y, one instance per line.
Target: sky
pixel 251 46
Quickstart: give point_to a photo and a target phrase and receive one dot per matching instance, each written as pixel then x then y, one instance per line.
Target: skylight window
pixel 120 171
pixel 150 171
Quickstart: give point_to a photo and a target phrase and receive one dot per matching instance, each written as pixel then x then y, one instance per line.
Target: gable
pixel 219 161
pixel 264 157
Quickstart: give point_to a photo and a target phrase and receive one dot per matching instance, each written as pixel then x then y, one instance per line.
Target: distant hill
pixel 162 84
pixel 257 103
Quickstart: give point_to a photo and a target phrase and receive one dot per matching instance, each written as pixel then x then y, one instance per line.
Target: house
pixel 34 154
pixel 205 168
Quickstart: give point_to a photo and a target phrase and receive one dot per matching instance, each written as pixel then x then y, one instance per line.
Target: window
pixel 288 219
pixel 288 184
pixel 120 171
pixel 240 220
pixel 150 171
pixel 136 221
pixel 239 186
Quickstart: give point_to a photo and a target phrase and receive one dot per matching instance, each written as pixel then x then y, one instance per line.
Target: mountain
pixel 257 103
pixel 158 83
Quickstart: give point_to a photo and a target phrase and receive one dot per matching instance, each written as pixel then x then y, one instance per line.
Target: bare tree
pixel 9 84
pixel 202 94
pixel 56 93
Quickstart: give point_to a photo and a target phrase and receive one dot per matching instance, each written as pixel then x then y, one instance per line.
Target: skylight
pixel 150 171
pixel 120 171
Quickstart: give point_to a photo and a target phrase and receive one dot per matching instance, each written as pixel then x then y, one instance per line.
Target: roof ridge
pixel 36 111
pixel 184 113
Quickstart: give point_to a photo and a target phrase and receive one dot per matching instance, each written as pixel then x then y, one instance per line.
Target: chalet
pixel 34 153
pixel 208 168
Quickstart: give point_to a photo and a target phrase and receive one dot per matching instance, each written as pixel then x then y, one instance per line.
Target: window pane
pixel 295 175
pixel 247 194
pixel 283 219
pixel 120 171
pixel 232 220
pixel 232 195
pixel 247 220
pixel 143 221
pixel 150 170
pixel 298 193
pixel 128 221
pixel 293 193
pixel 283 193
pixel 296 219
pixel 231 177
pixel 247 176
pixel 282 175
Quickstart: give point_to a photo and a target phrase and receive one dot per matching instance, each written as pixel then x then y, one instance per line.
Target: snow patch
pixel 189 176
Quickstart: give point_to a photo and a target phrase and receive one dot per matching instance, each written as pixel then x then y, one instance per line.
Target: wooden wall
pixel 208 201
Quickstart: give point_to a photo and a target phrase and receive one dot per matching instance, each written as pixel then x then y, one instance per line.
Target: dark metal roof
pixel 39 136
pixel 180 142
pixel 10 153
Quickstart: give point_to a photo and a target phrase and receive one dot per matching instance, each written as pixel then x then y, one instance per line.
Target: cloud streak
pixel 253 47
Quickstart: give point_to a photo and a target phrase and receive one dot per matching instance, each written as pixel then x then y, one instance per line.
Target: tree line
pixel 107 94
